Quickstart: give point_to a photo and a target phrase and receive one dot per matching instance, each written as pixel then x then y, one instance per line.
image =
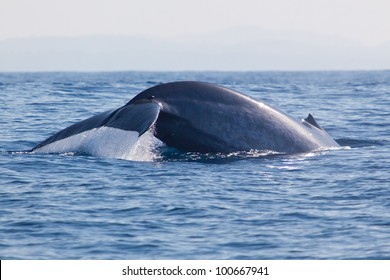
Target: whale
pixel 194 116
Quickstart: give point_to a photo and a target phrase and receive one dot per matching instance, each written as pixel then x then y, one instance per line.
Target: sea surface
pixel 164 204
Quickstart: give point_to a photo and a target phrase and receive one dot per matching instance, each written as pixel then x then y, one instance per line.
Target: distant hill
pixel 242 49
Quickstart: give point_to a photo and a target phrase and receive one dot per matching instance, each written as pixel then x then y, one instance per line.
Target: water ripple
pixel 331 204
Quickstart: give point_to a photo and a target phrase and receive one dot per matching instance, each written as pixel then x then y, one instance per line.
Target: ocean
pixel 166 204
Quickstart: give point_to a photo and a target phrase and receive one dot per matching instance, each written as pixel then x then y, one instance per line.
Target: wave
pixel 360 143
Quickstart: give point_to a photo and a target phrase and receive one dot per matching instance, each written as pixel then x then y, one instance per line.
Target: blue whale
pixel 202 117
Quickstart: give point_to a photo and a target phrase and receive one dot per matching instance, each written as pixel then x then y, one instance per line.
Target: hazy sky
pixel 364 21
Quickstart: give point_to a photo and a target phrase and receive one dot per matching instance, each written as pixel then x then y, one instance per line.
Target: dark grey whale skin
pixel 204 117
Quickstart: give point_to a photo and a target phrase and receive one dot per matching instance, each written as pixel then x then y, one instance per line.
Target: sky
pixel 362 23
pixel 367 22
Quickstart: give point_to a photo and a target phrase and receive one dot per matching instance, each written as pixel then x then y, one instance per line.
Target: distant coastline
pixel 228 50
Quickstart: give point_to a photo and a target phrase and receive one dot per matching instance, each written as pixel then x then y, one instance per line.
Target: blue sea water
pixel 331 204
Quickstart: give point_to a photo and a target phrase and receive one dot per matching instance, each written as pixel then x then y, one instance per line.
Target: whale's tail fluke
pixel 90 136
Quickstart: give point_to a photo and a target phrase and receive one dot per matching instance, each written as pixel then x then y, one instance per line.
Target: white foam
pixel 106 142
pixel 144 148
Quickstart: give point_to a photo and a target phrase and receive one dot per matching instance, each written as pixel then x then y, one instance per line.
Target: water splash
pixel 172 154
pixel 144 149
